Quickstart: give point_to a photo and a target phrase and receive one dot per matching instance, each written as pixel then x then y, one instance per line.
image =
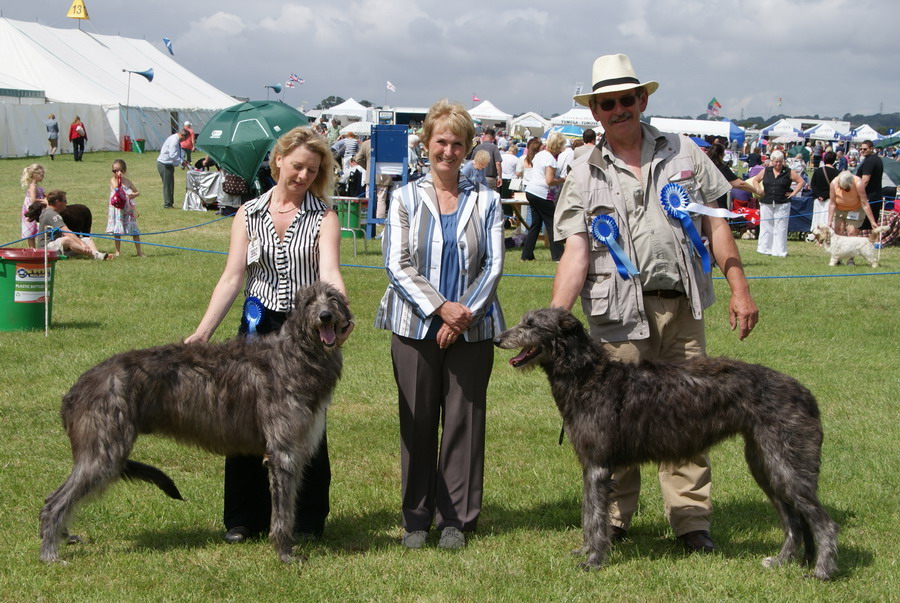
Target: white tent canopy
pixel 82 72
pixel 486 111
pixel 825 131
pixel 350 109
pixel 530 121
pixel 779 128
pixel 699 127
pixel 576 116
pixel 866 132
pixel 360 128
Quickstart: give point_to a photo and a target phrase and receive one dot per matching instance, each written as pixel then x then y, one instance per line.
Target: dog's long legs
pixel 595 515
pixel 790 521
pixel 284 480
pixel 824 532
pixel 86 478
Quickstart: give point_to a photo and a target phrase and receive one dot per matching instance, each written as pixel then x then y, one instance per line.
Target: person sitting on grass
pixel 52 232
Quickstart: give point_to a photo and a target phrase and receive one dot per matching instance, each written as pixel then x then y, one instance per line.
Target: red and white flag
pixel 391 87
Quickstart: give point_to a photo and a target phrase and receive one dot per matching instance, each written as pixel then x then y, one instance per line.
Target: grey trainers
pixel 414 540
pixel 452 538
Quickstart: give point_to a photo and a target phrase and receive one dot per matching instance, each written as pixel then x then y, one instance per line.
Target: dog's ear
pixel 344 305
pixel 568 323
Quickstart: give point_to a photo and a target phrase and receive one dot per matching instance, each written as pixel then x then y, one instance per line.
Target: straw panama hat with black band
pixel 613 73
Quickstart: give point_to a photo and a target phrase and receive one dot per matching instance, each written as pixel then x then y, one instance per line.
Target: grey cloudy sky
pixel 826 57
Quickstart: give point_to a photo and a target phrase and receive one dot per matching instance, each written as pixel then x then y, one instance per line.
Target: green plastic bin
pixel 22 297
pixel 138 145
pixel 348 214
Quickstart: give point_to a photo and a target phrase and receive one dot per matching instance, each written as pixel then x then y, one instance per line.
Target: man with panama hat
pixel 635 254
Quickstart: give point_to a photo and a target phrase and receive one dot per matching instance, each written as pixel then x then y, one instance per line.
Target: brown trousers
pixel 442 477
pixel 674 335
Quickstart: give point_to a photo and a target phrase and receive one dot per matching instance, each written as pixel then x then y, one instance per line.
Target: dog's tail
pixel 873 236
pixel 134 470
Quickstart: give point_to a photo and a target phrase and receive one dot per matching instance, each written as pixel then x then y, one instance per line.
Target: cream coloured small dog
pixel 845 248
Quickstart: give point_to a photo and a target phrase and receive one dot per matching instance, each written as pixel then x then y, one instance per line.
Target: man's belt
pixel 664 293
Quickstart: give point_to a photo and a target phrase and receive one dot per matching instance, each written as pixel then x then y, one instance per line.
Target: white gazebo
pixel 826 131
pixel 576 116
pixel 531 122
pixel 782 127
pixel 866 132
pixel 349 109
pixel 487 112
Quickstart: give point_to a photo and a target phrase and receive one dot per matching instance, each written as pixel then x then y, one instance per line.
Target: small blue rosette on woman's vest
pixel 252 315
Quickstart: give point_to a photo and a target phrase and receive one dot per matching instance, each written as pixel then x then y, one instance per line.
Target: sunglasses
pixel 609 104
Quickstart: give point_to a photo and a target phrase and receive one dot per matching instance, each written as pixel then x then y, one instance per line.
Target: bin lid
pixel 33 255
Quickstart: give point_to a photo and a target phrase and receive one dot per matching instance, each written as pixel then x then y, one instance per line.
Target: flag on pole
pixel 712 109
pixel 168 44
pixel 78 10
pixel 475 99
pixel 391 87
pixel 293 77
pixel 579 87
pixel 290 84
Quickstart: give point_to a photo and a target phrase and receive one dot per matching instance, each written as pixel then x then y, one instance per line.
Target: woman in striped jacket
pixel 443 250
pixel 282 241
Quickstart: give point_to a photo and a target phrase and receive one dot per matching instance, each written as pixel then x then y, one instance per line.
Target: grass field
pixel 839 336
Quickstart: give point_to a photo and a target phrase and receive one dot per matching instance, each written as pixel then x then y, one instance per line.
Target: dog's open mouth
pixel 524 357
pixel 326 334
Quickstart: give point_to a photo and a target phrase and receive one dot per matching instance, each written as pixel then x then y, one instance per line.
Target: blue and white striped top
pixel 284 266
pixel 413 256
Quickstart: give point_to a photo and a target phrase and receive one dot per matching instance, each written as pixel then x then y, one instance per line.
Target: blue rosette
pixel 252 315
pixel 605 230
pixel 675 201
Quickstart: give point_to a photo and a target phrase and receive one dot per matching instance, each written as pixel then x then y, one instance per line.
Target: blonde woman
pixel 538 191
pixel 443 251
pixel 281 242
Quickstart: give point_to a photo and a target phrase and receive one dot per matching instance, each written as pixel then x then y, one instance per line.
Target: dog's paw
pixel 593 562
pixel 298 558
pixel 771 562
pixel 580 551
pixel 74 539
pixel 53 559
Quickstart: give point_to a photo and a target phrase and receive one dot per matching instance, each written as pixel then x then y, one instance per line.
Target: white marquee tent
pixel 487 112
pixel 530 121
pixel 699 127
pixel 349 110
pixel 866 132
pixel 576 116
pixel 81 73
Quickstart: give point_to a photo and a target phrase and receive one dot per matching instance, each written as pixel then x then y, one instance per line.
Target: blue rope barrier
pixel 364 266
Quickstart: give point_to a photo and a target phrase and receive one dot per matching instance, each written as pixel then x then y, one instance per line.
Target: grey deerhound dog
pixel 619 414
pixel 266 397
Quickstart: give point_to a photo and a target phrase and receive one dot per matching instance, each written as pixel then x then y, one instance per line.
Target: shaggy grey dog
pixel 619 414
pixel 263 397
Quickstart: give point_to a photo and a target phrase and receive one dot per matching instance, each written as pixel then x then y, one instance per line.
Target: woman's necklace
pixel 285 211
